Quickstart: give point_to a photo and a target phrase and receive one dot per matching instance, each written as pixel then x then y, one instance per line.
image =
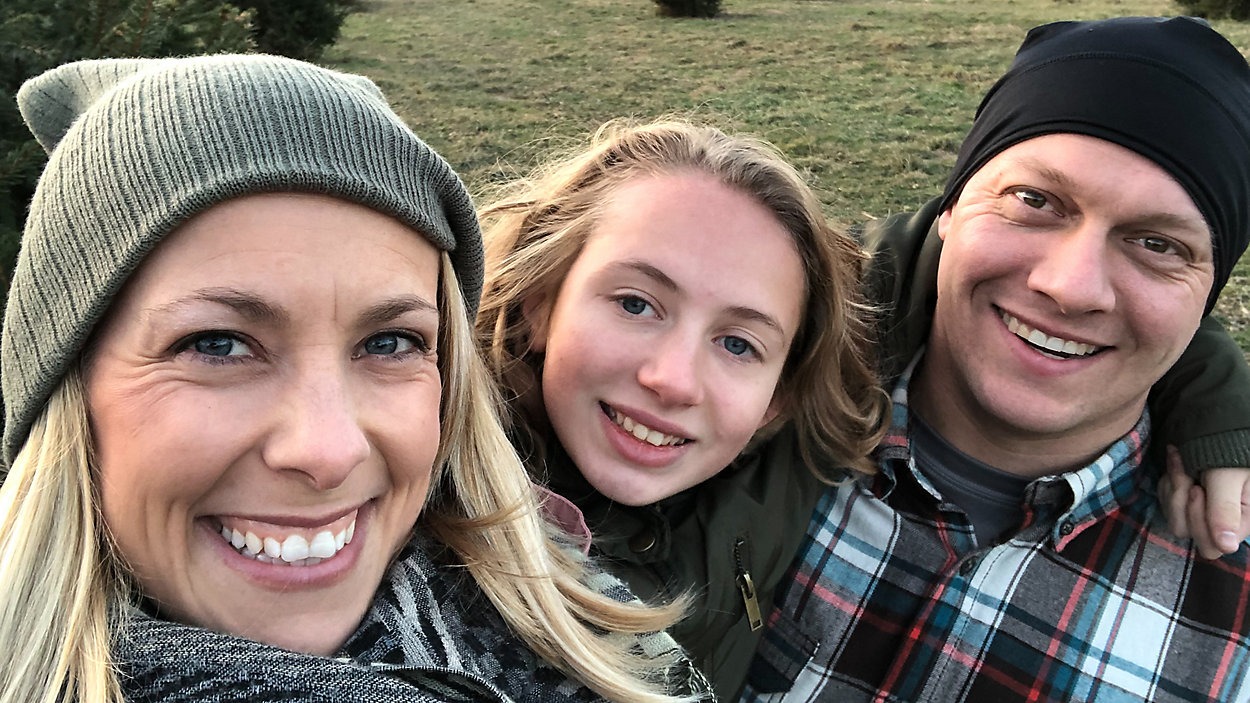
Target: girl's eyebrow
pixel 663 279
pixel 649 271
pixel 249 306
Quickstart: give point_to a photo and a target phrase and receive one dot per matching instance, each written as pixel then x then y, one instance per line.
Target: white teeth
pixel 642 432
pixel 294 548
pixel 1041 339
pixel 322 545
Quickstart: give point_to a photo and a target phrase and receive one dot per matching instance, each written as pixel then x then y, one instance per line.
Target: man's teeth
pixel 644 433
pixel 295 550
pixel 1041 339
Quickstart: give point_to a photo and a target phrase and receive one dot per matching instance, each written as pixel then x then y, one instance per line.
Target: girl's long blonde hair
pixel 538 226
pixel 63 595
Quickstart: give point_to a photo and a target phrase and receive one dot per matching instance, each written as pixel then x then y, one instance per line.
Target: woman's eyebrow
pixel 248 305
pixel 392 308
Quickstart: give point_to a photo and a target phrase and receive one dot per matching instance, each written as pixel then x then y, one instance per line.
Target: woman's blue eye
pixel 634 305
pixel 736 346
pixel 219 345
pixel 387 344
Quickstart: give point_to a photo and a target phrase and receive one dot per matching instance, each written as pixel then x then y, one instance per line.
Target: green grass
pixel 869 99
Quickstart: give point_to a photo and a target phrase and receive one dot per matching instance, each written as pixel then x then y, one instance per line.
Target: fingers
pixel 1227 518
pixel 1174 495
pixel 1196 514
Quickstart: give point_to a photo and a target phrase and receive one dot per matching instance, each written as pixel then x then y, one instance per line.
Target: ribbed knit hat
pixel 139 146
pixel 1171 89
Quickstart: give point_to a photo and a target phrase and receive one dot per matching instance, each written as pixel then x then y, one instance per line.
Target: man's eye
pixel 1031 198
pixel 1157 245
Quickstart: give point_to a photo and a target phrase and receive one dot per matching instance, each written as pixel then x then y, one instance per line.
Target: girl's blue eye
pixel 388 344
pixel 633 305
pixel 219 345
pixel 736 346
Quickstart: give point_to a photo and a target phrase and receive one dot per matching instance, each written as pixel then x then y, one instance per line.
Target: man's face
pixel 1074 272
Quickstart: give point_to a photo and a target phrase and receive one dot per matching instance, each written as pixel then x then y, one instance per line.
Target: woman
pixel 252 452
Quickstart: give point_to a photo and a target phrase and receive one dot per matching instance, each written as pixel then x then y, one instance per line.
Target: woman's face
pixel 264 398
pixel 665 342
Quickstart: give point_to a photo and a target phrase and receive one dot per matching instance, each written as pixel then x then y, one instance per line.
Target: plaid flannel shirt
pixel 891 599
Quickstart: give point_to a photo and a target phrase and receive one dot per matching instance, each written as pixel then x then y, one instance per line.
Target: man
pixel 1012 546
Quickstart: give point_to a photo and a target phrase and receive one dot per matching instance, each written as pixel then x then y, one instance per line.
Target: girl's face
pixel 264 397
pixel 665 341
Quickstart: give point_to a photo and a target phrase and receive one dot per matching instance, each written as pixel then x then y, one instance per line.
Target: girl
pixel 655 304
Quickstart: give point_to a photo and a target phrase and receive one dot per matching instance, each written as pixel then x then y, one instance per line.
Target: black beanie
pixel 1171 89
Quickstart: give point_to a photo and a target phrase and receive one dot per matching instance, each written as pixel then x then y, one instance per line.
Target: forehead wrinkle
pixel 250 306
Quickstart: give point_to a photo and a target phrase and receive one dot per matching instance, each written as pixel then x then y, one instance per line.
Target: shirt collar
pixel 1093 491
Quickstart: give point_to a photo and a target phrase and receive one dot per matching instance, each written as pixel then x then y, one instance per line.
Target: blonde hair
pixel 537 584
pixel 538 226
pixel 58 615
pixel 58 583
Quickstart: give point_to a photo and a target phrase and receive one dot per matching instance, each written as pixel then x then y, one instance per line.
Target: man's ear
pixel 537 313
pixel 944 222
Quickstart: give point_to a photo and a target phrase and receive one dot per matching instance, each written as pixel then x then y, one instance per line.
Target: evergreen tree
pixel 36 35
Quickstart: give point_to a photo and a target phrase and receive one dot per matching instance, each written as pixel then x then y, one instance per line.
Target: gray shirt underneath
pixel 992 499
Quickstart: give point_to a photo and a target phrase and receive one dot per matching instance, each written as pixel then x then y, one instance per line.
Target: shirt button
pixel 1066 528
pixel 642 542
pixel 969 565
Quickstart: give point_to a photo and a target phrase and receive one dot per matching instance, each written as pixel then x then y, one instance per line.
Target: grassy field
pixel 868 98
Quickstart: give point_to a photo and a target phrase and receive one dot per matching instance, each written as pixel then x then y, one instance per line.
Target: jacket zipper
pixel 746 586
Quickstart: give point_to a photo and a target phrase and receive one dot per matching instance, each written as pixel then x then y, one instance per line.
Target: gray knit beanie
pixel 139 146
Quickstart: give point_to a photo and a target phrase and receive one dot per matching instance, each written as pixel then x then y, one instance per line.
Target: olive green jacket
pixel 724 543
pixel 733 536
